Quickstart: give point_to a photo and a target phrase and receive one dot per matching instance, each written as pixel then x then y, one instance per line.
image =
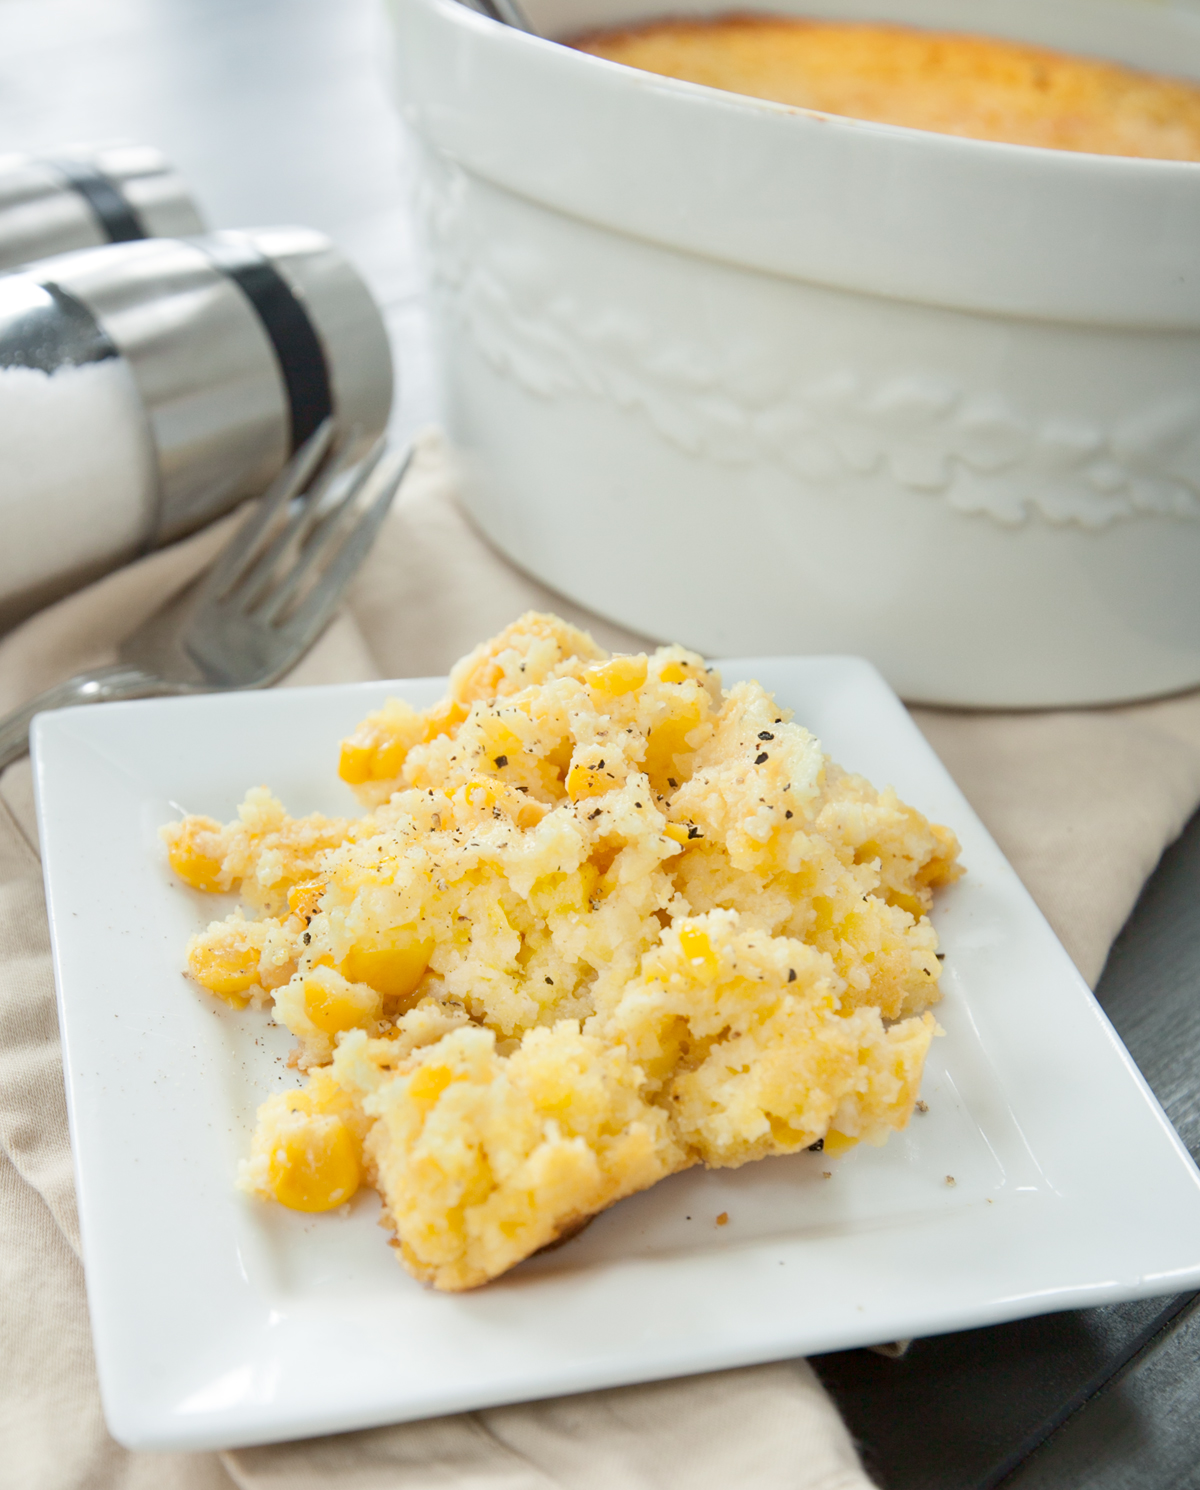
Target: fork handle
pixel 99 686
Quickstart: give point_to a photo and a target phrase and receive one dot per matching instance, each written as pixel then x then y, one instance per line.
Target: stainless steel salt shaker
pixel 148 387
pixel 87 195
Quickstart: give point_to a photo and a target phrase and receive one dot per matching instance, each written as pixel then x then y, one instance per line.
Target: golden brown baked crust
pixel 978 86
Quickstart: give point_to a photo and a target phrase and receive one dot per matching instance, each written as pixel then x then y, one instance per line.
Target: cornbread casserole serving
pixel 600 922
pixel 958 84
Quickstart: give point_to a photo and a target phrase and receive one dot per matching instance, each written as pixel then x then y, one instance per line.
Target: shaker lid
pixel 86 195
pixel 154 191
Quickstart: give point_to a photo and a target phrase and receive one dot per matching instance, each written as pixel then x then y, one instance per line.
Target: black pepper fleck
pixel 788 813
pixel 765 734
pixel 791 975
pixel 502 761
pixel 760 757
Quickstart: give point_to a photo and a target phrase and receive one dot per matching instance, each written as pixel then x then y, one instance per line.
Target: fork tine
pixel 240 551
pixel 256 581
pixel 314 517
pixel 319 541
pixel 321 601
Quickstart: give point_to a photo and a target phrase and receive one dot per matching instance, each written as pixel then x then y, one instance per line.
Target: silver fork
pixel 508 12
pixel 264 600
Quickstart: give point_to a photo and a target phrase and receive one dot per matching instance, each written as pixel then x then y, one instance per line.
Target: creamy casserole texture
pixel 600 922
pixel 949 83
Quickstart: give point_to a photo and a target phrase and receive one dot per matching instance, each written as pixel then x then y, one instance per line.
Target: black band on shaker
pixel 293 336
pixel 111 210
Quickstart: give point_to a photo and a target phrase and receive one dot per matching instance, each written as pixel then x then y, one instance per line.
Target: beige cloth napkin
pixel 1083 804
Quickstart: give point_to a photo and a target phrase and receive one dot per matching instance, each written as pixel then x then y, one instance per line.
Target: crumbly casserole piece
pixel 948 82
pixel 600 921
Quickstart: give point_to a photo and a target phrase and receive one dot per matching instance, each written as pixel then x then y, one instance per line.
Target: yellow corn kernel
pixel 529 813
pixel 198 869
pixel 501 745
pixel 354 762
pixel 665 742
pixel 484 795
pixel 427 1084
pixel 441 719
pixel 316 1167
pixel 837 1144
pixel 943 868
pixel 560 894
pixel 698 950
pixel 677 831
pixel 377 748
pixel 371 755
pixel 389 758
pixel 328 1009
pixel 226 968
pixel 823 915
pixel 910 903
pixel 393 964
pixel 587 781
pixel 674 672
pixel 304 899
pixel 621 675
pixel 274 975
pixel 480 794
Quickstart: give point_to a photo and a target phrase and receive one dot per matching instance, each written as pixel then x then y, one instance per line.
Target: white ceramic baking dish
pixel 765 380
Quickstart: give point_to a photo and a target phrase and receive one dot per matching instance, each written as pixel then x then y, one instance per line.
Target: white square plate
pixel 221 1321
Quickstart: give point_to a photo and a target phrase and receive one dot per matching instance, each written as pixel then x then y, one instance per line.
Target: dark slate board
pixel 1104 1398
